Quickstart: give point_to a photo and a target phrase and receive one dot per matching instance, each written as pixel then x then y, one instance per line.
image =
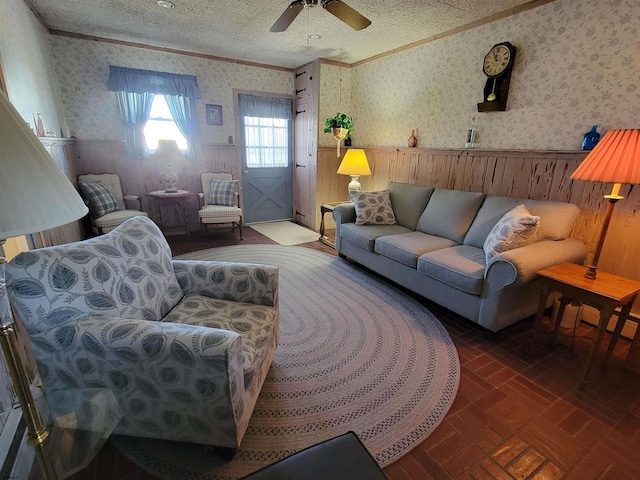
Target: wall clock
pixel 497 66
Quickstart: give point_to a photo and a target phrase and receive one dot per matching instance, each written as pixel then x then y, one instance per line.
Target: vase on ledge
pixel 591 138
pixel 413 141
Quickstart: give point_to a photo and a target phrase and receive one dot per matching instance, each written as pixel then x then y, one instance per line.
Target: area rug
pixel 354 354
pixel 286 233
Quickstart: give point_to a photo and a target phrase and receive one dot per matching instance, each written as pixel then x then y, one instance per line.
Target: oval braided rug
pixel 355 354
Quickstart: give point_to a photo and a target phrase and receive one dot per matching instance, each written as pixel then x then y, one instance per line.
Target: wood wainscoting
pixel 535 174
pixel 139 177
pixel 63 152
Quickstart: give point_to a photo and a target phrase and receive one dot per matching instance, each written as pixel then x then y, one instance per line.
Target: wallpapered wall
pixel 27 65
pixel 577 64
pixel 335 96
pixel 92 111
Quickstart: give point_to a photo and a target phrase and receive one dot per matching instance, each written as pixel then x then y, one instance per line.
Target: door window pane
pixel 266 142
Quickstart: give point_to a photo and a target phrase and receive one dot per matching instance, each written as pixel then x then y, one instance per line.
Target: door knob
pixel 246 172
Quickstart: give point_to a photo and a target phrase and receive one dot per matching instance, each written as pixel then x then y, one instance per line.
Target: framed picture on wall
pixel 214 114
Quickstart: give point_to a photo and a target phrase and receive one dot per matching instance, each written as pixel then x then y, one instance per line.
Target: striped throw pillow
pixel 99 197
pixel 222 192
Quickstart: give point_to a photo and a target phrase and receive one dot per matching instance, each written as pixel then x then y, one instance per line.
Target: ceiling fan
pixel 336 7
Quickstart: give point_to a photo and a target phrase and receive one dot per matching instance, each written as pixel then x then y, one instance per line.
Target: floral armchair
pixel 184 345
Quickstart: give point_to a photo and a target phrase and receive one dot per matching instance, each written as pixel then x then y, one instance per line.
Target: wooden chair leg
pixel 240 227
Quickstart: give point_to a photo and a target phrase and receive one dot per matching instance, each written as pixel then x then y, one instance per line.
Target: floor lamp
pixel 35 196
pixel 615 159
pixel 354 163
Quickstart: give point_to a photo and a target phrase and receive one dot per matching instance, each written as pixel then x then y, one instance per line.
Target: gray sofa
pixel 436 250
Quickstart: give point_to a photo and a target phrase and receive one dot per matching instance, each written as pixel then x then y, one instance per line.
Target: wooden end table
pixel 179 198
pixel 325 208
pixel 606 292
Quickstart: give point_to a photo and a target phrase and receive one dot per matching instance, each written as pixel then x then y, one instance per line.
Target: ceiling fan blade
pixel 347 14
pixel 288 16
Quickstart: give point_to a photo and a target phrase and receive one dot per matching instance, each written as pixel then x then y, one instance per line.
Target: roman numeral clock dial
pixel 497 66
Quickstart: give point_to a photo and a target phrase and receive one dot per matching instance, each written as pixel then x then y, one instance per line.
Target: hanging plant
pixel 340 126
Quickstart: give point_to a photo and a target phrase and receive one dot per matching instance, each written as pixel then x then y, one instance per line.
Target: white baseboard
pixel 592 316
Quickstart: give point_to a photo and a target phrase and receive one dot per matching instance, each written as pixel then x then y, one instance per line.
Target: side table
pixel 606 292
pixel 180 199
pixel 326 208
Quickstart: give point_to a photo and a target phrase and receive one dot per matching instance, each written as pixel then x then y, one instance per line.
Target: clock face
pixel 497 60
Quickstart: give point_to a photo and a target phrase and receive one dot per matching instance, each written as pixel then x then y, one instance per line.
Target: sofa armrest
pixel 343 213
pixel 240 282
pixel 132 202
pixel 191 373
pixel 518 266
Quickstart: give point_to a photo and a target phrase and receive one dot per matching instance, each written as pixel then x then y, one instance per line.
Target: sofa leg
pixel 227 454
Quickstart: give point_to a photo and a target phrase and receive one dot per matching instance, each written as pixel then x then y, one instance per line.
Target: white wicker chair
pixel 129 206
pixel 217 214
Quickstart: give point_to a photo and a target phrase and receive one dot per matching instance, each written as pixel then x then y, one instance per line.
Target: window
pixel 162 126
pixel 266 142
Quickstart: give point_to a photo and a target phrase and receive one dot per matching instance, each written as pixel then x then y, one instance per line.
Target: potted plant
pixel 340 126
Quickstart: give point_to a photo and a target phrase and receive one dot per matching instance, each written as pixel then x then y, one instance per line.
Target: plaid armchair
pixel 108 207
pixel 219 202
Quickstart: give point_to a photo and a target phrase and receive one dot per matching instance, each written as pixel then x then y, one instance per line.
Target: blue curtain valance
pixel 265 107
pixel 133 80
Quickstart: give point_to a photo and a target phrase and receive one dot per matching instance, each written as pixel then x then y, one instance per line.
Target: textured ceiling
pixel 239 29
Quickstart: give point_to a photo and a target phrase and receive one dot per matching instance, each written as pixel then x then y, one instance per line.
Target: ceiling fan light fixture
pixel 165 4
pixel 315 36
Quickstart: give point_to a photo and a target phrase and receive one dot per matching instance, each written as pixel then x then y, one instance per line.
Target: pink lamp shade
pixel 615 159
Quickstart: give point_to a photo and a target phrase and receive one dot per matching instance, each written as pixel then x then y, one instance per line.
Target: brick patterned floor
pixel 514 418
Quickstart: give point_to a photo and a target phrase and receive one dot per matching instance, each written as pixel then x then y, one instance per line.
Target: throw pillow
pixel 222 192
pixel 99 197
pixel 513 230
pixel 373 208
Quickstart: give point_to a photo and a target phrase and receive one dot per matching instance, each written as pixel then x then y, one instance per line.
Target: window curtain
pixel 135 89
pixel 134 111
pixel 183 112
pixel 265 107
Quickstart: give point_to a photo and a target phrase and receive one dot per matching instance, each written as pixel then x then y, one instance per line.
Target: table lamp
pixel 354 163
pixel 615 159
pixel 169 154
pixel 36 196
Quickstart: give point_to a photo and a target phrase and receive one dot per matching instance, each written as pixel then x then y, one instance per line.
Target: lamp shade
pixel 168 152
pixel 34 193
pixel 354 163
pixel 615 159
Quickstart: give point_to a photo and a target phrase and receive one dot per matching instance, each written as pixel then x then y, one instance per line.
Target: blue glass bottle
pixel 591 138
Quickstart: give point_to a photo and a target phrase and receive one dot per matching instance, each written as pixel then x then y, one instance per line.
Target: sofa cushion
pixel 461 267
pixel 99 197
pixel 556 218
pixel 515 229
pixel 491 211
pixel 407 247
pixel 408 202
pixel 449 213
pixel 254 323
pixel 373 208
pixel 364 236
